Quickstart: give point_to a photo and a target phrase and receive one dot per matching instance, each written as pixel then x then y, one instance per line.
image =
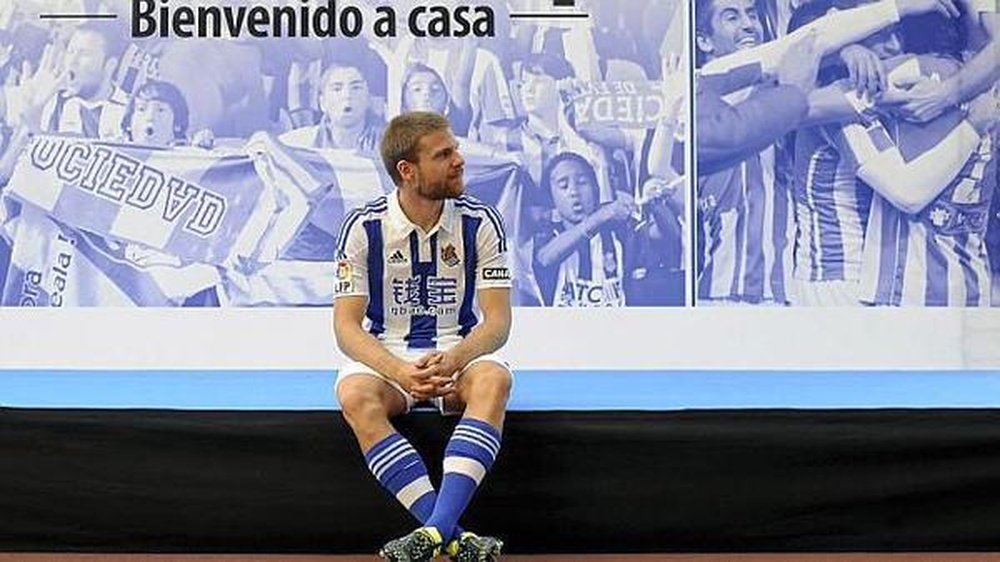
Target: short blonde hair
pixel 402 138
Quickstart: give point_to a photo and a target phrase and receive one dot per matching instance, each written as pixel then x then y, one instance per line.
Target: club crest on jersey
pixel 940 217
pixel 397 258
pixel 449 256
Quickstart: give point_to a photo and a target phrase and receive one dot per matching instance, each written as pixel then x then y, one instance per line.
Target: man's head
pixel 885 43
pixel 343 96
pixel 727 26
pixel 539 76
pixel 572 184
pixel 92 55
pixel 157 115
pixel 420 153
pixel 424 90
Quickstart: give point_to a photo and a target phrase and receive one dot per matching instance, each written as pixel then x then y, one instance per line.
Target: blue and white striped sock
pixel 467 458
pixel 399 468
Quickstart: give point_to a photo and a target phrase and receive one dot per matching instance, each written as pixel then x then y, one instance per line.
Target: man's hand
pixel 434 375
pixel 43 83
pixel 946 8
pixel 923 99
pixel 422 382
pixel 618 210
pixel 866 70
pixel 800 65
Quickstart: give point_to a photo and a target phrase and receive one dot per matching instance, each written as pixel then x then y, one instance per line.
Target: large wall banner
pixel 661 155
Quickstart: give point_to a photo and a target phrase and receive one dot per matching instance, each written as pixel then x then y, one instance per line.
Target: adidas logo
pixel 397 257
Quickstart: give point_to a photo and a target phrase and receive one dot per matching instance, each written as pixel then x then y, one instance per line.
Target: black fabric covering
pixel 100 480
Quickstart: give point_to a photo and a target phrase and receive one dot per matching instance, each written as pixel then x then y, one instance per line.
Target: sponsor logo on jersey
pixel 397 258
pixel 496 273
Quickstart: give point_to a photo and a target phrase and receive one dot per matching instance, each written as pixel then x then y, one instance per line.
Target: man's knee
pixel 361 400
pixel 489 379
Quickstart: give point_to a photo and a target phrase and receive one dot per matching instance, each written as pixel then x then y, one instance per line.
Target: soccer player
pixel 925 238
pixel 923 243
pixel 745 209
pixel 422 305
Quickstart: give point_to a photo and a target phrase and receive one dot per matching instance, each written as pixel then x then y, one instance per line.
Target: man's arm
pixel 358 344
pixel 834 31
pixel 929 98
pixel 556 250
pixel 729 133
pixel 726 134
pixel 492 332
pixel 910 185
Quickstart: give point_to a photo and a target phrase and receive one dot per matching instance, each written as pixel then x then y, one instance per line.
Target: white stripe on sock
pixel 465 466
pixel 414 491
pixel 488 436
pixel 474 438
pixel 377 459
pixel 387 463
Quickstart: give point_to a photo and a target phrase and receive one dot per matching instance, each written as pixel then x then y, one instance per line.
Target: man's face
pixel 424 92
pixel 539 92
pixel 734 26
pixel 573 191
pixel 344 97
pixel 152 123
pixel 86 63
pixel 439 166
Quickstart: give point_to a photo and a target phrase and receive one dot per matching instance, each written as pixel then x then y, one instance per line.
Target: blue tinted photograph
pixel 163 171
pixel 846 153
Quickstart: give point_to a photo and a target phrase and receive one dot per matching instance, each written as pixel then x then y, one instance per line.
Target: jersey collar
pixel 402 226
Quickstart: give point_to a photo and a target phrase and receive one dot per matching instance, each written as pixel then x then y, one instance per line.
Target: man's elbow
pixel 908 201
pixel 343 329
pixel 912 205
pixel 499 326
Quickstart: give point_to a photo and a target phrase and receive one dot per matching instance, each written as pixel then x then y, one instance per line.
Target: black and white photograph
pixel 846 153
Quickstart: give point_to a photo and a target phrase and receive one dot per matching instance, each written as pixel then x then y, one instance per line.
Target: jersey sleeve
pixel 985 6
pixel 351 276
pixel 834 31
pixel 493 266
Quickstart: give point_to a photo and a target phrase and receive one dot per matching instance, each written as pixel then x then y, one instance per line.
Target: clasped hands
pixel 430 376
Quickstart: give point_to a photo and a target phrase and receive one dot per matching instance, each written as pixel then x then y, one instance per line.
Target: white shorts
pixel 352 368
pixel 824 293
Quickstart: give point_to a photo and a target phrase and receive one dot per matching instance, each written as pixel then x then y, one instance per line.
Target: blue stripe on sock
pixel 381 447
pixel 460 447
pixel 482 426
pixel 473 439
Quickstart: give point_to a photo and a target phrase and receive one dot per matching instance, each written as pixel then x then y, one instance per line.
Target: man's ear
pixel 703 43
pixel 406 170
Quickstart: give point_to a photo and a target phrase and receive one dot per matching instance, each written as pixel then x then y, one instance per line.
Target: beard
pixel 447 188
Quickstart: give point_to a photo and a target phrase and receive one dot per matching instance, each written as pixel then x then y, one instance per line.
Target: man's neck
pixel 423 212
pixel 345 137
pixel 546 124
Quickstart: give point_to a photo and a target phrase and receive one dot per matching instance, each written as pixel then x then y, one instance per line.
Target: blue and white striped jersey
pixel 421 286
pixel 937 257
pixel 831 209
pixel 746 218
